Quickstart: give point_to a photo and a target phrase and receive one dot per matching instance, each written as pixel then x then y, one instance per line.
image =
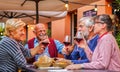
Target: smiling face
pixel 18 34
pixel 14 28
pixel 40 31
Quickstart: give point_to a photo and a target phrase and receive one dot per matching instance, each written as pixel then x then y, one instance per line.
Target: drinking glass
pixel 44 39
pixel 67 40
pixel 78 37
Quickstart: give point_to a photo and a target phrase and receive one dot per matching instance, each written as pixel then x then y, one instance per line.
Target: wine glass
pixel 45 42
pixel 67 40
pixel 44 39
pixel 78 37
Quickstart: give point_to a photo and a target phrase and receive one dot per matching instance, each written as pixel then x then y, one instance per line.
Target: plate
pixel 50 68
pixel 61 70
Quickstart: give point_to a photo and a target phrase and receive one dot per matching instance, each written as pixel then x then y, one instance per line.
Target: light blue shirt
pixel 58 44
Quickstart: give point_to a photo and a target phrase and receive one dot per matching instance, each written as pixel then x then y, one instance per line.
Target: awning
pixel 48 9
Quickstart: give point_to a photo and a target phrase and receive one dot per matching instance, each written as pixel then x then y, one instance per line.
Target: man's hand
pixel 37 50
pixel 67 50
pixel 40 48
pixel 73 67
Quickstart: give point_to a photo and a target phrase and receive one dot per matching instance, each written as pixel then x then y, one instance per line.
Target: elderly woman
pixel 12 52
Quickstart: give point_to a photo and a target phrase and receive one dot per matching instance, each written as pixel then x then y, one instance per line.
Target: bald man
pixel 51 50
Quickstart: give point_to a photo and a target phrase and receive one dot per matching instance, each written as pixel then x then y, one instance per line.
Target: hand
pixel 45 42
pixel 73 67
pixel 40 48
pixel 65 50
pixel 37 50
pixel 81 44
pixel 40 51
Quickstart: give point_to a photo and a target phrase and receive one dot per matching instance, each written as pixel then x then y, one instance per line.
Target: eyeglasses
pixel 81 26
pixel 99 22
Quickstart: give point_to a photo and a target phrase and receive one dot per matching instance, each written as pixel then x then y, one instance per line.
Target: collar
pixel 36 40
pixel 103 35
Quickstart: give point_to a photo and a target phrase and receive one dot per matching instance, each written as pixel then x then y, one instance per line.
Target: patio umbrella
pixel 48 10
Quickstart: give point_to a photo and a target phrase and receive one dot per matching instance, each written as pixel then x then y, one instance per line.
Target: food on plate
pixel 62 63
pixel 44 61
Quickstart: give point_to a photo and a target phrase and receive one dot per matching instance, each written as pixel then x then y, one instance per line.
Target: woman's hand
pixel 73 67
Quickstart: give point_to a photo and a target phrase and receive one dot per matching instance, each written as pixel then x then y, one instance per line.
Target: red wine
pixel 66 43
pixel 78 39
pixel 45 43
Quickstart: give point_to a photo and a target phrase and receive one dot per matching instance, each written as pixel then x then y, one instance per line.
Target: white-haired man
pixel 78 54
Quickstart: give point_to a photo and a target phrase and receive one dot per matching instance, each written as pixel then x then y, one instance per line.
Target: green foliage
pixel 1 32
pixel 116 4
pixel 49 32
pixel 118 1
pixel 118 38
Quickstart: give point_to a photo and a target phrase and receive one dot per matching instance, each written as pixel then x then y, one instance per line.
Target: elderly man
pixel 78 55
pixel 51 50
pixel 106 55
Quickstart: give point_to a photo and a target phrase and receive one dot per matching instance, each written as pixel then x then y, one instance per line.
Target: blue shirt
pixel 93 42
pixel 77 56
pixel 58 44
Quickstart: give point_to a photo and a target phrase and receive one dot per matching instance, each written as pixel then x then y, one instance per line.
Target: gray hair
pixel 88 21
pixel 105 19
pixel 12 25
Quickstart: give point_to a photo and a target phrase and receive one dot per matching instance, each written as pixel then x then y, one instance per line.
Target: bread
pixel 61 64
pixel 44 61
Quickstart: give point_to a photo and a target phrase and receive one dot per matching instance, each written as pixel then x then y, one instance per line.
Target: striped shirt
pixel 12 55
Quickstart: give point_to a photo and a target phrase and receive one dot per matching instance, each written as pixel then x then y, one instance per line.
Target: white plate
pixel 60 70
pixel 50 68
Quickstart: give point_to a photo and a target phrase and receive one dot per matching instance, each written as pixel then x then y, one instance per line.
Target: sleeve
pixel 26 52
pixel 67 56
pixel 83 57
pixel 71 55
pixel 16 53
pixel 80 61
pixel 26 46
pixel 59 46
pixel 104 54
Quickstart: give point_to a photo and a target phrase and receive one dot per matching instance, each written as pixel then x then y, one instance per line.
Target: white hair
pixel 13 24
pixel 88 21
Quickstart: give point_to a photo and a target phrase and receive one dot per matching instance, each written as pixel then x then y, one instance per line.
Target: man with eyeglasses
pixel 106 55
